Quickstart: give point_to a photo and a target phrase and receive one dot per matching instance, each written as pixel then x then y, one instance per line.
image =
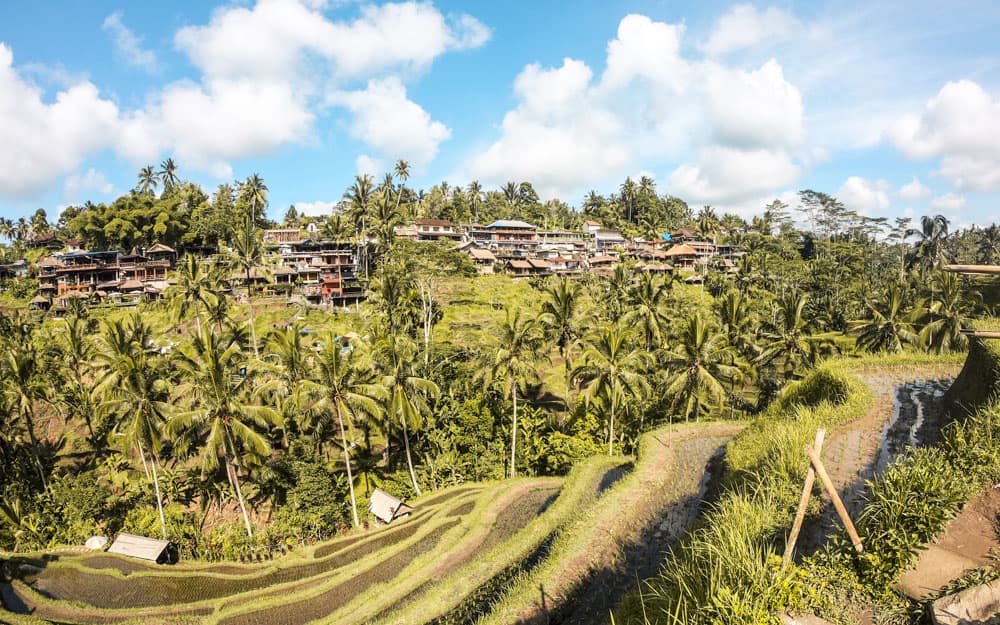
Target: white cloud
pixel 959 125
pixel 745 26
pixel 127 45
pixel 914 190
pixel 44 140
pixel 865 196
pixel 315 209
pixel 570 131
pixel 948 202
pixel 387 120
pixel 77 184
pixel 365 164
pixel 731 176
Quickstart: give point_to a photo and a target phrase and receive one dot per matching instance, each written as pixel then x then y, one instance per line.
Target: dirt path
pixel 629 538
pixel 906 412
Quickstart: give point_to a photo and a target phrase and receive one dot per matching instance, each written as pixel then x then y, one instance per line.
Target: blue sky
pixel 894 109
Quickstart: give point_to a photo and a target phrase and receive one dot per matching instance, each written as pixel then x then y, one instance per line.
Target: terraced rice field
pixel 344 580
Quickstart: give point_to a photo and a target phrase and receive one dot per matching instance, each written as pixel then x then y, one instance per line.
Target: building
pixel 435 229
pixel 507 238
pixel 607 240
pixel 387 508
pixel 282 235
pixel 567 242
pixel 682 256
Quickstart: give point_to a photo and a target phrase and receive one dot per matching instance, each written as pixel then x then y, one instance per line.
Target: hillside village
pixel 302 264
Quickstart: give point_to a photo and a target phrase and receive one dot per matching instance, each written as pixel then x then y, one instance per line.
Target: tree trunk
pixel 409 460
pixel 159 497
pixel 234 478
pixel 253 325
pixel 611 430
pixel 34 448
pixel 513 438
pixel 347 463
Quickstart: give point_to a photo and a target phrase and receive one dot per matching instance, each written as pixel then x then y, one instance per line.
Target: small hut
pixel 387 508
pixel 141 547
pixel 39 302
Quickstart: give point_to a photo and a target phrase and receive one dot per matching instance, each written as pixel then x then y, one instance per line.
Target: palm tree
pixel 734 312
pixel 147 180
pixel 358 195
pixel 613 369
pixel 703 361
pixel 950 311
pixel 475 198
pixel 559 311
pixel 401 171
pixel 347 393
pixel 512 364
pixel 247 254
pixel 134 391
pixel 929 250
pixel 646 298
pixel 255 192
pixel 220 408
pixel 406 393
pixel 168 174
pixel 24 387
pixel 892 325
pixel 629 192
pixel 79 352
pixel 787 337
pixel 195 288
pixel 511 193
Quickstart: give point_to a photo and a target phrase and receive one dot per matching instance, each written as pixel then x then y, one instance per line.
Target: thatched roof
pixel 131 285
pixel 682 249
pixel 139 547
pixel 387 508
pixel 481 254
pixel 159 247
pixel 519 264
pixel 38 299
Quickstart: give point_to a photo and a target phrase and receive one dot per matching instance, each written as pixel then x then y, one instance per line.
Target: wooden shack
pixel 142 547
pixel 387 508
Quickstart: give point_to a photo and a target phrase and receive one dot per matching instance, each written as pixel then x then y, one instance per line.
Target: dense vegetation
pixel 240 427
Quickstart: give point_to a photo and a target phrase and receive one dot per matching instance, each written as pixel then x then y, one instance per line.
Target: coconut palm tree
pixel 133 390
pixel 701 361
pixel 254 191
pixel 406 394
pixel 79 351
pixel 950 311
pixel 195 289
pixel 892 323
pixel 147 180
pixel 629 193
pixel 218 405
pixel 511 193
pixel 559 312
pixel 929 251
pixel 787 338
pixel 513 364
pixel 613 369
pixel 475 191
pixel 24 388
pixel 737 322
pixel 247 254
pixel 168 174
pixel 347 393
pixel 646 299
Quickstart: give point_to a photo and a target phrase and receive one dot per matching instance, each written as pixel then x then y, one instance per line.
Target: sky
pixel 893 107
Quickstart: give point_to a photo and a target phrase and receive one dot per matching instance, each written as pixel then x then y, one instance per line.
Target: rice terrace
pixel 423 312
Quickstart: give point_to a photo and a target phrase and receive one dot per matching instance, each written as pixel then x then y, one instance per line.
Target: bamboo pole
pixel 837 503
pixel 800 514
pixel 982 334
pixel 981 270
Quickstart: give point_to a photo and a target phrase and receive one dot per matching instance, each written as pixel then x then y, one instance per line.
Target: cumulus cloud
pixel 128 46
pixel 745 26
pixel 366 165
pixel 948 202
pixel 865 196
pixel 387 120
pixel 47 139
pixel 569 128
pixel 959 125
pixel 914 190
pixel 77 184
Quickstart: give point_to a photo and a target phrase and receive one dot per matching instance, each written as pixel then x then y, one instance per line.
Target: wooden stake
pixel 800 514
pixel 837 503
pixel 974 270
pixel 982 334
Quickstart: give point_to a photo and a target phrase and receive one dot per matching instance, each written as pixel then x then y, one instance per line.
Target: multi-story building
pixel 507 238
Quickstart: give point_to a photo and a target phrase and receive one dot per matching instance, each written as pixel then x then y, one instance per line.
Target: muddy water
pixel 915 421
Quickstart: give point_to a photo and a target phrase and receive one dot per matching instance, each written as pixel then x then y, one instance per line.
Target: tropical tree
pixel 147 180
pixel 701 360
pixel 892 323
pixel 787 338
pixel 348 393
pixel 475 192
pixel 133 390
pixel 613 370
pixel 646 299
pixel 218 408
pixel 247 254
pixel 254 191
pixel 559 315
pixel 168 174
pixel 79 351
pixel 519 340
pixel 951 310
pixel 24 388
pixel 195 288
pixel 929 250
pixel 406 393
